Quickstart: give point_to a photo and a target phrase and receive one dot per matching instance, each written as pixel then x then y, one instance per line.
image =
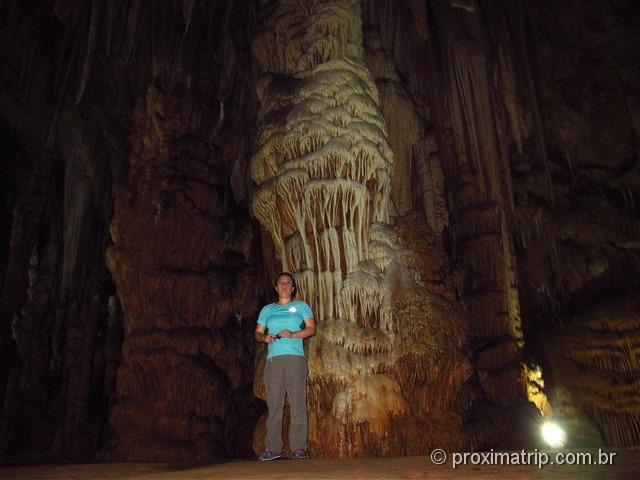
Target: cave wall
pixel 438 64
pixel 578 248
pixel 535 115
pixel 161 161
pixel 57 328
pixel 135 121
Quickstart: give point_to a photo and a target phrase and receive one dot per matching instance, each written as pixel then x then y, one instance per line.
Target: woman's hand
pixel 285 334
pixel 269 338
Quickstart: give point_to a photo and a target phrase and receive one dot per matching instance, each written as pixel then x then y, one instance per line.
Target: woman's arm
pixel 260 336
pixel 308 330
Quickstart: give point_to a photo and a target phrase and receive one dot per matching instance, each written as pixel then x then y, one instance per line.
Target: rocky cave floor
pixel 626 466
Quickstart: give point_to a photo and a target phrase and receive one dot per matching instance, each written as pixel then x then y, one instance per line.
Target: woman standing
pixel 282 326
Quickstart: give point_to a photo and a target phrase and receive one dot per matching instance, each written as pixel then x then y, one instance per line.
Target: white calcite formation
pixel 323 164
pixel 323 169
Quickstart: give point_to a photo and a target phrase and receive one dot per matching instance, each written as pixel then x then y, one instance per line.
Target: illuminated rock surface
pixel 324 172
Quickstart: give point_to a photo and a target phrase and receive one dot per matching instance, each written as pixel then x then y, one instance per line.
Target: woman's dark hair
pixel 293 281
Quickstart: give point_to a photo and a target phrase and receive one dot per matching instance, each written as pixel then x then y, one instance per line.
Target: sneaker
pixel 299 453
pixel 269 455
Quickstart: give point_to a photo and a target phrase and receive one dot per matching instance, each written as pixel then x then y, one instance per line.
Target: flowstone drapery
pixel 323 167
pixel 332 162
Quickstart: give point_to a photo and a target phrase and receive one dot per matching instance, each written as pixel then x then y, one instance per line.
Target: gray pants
pixel 286 373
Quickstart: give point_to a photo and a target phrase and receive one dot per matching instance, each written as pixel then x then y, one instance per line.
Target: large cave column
pixel 482 204
pixel 181 259
pixel 323 167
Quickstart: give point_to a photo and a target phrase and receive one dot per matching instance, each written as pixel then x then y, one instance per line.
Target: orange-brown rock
pixel 181 259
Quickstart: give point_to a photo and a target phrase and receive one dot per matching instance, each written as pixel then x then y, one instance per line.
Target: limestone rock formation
pixel 324 172
pixel 482 209
pixel 186 359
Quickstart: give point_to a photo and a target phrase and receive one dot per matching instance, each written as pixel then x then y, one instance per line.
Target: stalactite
pixel 133 27
pixel 433 186
pixel 533 93
pixel 488 110
pixel 404 129
pixel 606 351
pixel 619 428
pixel 112 8
pixel 94 28
pixel 187 14
pixel 595 359
pixel 363 299
pixel 612 402
pixel 51 311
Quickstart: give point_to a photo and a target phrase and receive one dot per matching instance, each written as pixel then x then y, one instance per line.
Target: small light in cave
pixel 553 434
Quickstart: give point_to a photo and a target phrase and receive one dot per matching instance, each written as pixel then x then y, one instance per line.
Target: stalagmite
pixel 180 259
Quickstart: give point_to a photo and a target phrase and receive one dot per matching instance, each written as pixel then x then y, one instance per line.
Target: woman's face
pixel 284 286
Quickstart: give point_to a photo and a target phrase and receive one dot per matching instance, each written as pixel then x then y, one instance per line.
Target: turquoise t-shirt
pixel 290 317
